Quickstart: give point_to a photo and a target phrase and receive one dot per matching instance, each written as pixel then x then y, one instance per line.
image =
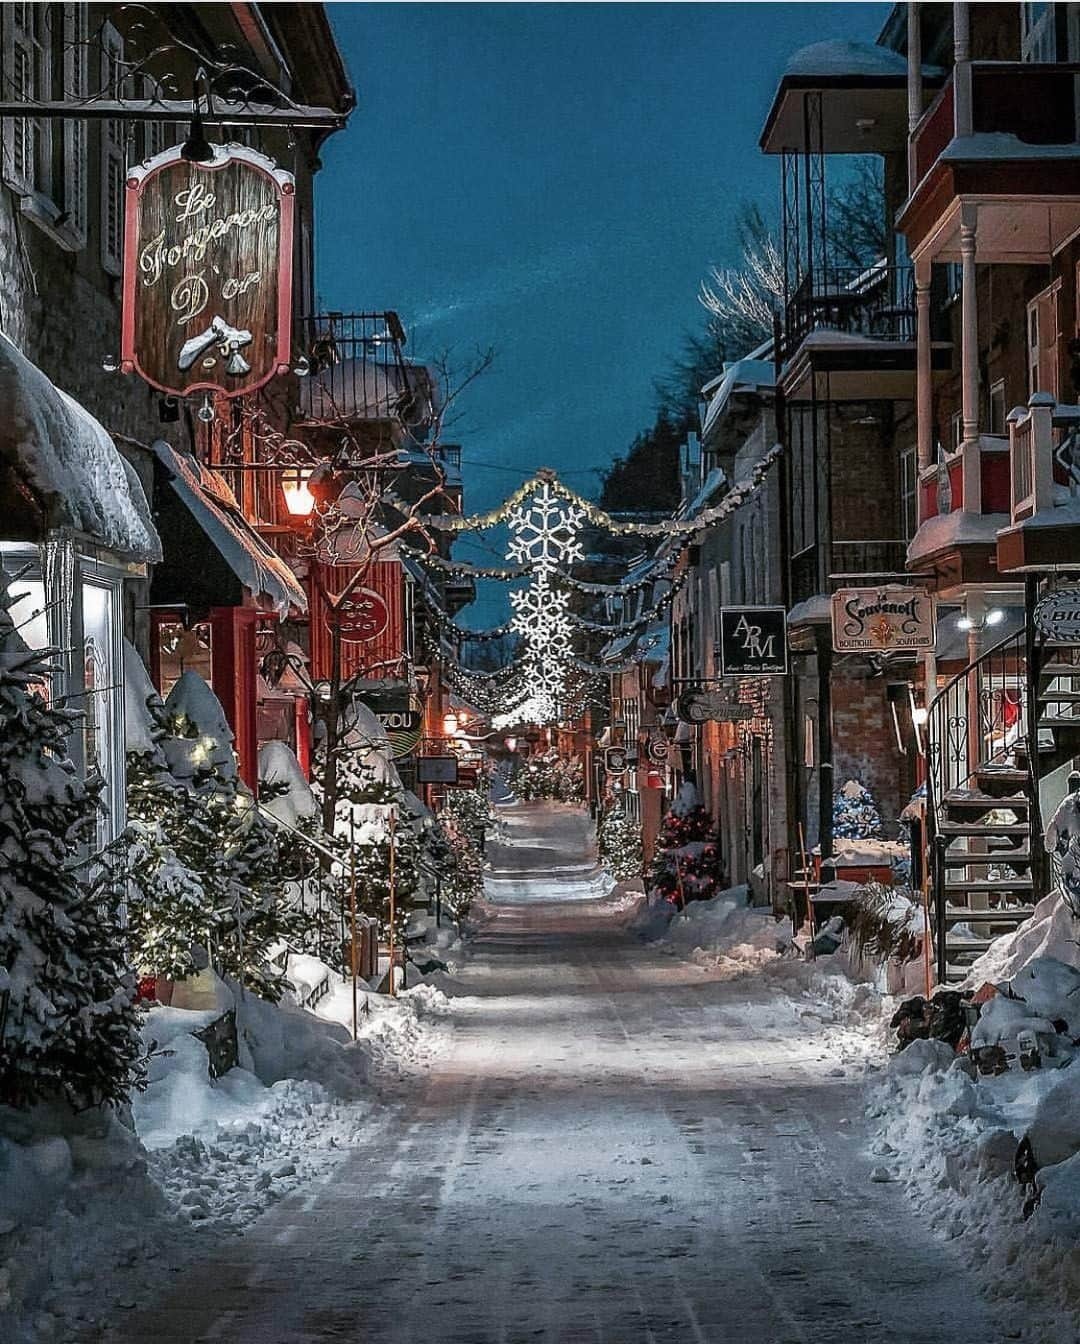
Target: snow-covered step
pixel 990 884
pixel 1021 829
pixel 966 858
pixel 1010 914
pixel 976 798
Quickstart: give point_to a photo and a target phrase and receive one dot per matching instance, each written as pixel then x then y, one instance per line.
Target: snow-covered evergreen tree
pixel 619 842
pixel 228 843
pixel 69 1027
pixel 316 884
pixel 371 809
pixel 465 816
pixel 855 813
pixel 165 898
pixel 550 776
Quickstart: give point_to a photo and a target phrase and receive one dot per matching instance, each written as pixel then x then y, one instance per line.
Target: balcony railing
pixel 941 486
pixel 357 369
pixel 1044 455
pixel 827 566
pixel 1035 102
pixel 877 301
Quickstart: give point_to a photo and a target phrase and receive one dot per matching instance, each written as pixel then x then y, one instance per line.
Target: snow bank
pixel 96 1213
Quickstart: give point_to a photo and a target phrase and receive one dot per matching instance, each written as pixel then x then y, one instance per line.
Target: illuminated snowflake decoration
pixel 545 531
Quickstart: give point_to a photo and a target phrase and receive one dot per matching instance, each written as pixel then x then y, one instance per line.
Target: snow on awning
pixel 53 448
pixel 213 507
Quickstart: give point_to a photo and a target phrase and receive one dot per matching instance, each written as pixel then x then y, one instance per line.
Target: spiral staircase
pixel 995 730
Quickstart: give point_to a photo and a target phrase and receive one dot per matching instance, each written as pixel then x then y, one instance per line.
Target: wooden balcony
pixel 1006 141
pixel 1044 469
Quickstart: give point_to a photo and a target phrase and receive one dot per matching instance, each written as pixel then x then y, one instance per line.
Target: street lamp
pixel 299 501
pixel 450 723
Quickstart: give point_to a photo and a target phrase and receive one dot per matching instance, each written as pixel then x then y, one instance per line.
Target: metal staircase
pixel 983 827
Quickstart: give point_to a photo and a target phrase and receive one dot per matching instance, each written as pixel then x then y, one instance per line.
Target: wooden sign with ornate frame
pixel 208 272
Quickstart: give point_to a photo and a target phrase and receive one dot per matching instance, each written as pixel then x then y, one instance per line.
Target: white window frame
pixel 996 410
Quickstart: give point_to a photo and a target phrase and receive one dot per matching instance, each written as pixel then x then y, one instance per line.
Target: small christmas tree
pixel 68 1022
pixel 313 866
pixel 686 863
pixel 855 813
pixel 466 816
pixel 619 842
pixel 372 815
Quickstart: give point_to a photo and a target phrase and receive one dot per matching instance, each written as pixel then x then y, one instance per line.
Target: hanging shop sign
pixel 615 760
pixel 753 641
pixel 882 620
pixel 656 748
pixel 207 302
pixel 437 769
pixel 711 707
pixel 1057 616
pixel 364 617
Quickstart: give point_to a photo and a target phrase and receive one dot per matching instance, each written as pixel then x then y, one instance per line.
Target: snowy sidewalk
pixel 617 1146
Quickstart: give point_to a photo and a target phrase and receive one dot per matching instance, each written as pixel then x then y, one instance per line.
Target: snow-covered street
pixel 618 1145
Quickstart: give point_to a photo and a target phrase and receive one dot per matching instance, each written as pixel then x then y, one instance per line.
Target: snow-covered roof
pixel 840 56
pixel 57 450
pixel 712 483
pixel 213 506
pixel 744 375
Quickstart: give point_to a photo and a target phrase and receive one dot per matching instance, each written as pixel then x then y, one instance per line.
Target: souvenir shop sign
pixel 882 620
pixel 711 707
pixel 207 303
pixel 753 641
pixel 1057 616
pixel 364 617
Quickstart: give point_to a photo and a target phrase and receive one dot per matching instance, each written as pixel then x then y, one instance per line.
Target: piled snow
pixel 95 1214
pixel 195 705
pixel 139 691
pixel 725 933
pixel 278 765
pixel 1052 931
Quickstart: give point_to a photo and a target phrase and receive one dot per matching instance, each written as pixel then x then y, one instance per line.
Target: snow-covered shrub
pixel 619 842
pixel 69 1027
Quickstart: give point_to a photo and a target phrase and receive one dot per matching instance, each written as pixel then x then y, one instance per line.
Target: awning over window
pixel 194 505
pixel 54 455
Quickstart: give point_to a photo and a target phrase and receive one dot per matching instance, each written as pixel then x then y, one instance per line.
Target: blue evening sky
pixel 552 180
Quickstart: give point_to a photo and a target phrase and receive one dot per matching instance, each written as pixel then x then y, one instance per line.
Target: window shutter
pixel 75 131
pixel 113 158
pixel 20 68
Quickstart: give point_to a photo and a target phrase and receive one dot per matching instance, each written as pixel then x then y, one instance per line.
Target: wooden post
pixel 806 885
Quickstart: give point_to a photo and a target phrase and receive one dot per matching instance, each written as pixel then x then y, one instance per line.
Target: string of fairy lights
pixel 547 680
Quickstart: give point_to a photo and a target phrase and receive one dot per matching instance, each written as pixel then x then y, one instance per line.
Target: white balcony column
pixel 969 361
pixel 924 389
pixel 1041 406
pixel 914 84
pixel 961 68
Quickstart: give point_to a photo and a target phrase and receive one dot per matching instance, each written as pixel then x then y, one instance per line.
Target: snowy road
pixel 616 1147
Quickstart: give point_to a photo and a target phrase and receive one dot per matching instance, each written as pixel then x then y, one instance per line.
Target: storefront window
pixel 183 649
pixel 103 700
